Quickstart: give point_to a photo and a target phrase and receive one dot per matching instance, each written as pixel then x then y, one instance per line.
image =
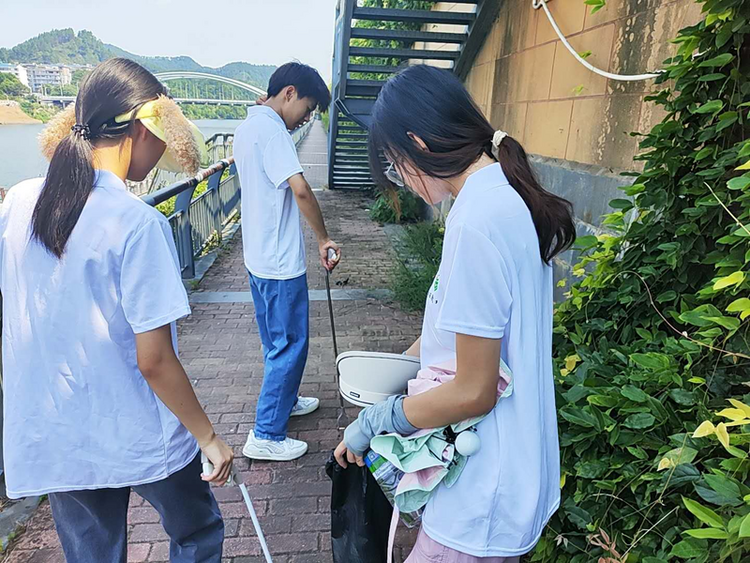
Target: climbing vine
pixel 653 338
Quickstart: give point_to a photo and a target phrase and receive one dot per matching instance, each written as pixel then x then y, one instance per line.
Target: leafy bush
pixel 384 209
pixel 654 334
pixel 420 259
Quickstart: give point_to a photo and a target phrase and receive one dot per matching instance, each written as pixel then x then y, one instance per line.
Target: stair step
pixel 352 135
pixel 343 149
pixel 403 53
pixel 407 35
pixel 356 87
pixel 373 68
pixel 352 172
pixel 353 184
pixel 338 179
pixel 412 16
pixel 338 165
pixel 367 83
pixel 352 161
pixel 357 144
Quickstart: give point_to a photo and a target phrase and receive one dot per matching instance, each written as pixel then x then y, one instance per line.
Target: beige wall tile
pixel 505 70
pixel 524 76
pixel 531 81
pixel 617 9
pixel 516 27
pixel 569 74
pixel 479 85
pixel 488 52
pixel 643 42
pixel 547 127
pixel 600 131
pixel 569 15
pixel 511 118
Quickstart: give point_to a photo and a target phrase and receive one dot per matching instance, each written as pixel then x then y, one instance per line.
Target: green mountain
pixel 64 46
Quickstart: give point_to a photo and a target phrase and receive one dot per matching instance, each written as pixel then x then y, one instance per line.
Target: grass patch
pixel 384 210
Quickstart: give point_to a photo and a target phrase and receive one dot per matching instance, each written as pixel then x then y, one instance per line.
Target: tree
pixel 11 87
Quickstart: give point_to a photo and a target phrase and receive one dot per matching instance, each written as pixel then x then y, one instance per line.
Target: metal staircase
pixel 372 43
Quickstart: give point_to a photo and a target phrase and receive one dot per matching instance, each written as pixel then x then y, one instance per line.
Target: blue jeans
pixel 92 525
pixel 282 308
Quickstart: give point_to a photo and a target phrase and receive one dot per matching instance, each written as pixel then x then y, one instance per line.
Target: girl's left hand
pixel 342 455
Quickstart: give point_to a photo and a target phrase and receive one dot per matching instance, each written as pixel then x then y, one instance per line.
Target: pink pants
pixel 428 550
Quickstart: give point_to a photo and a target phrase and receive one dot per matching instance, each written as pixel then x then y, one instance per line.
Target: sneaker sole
pixel 272 457
pixel 306 411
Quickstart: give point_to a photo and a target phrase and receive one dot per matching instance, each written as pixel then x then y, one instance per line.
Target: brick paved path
pixel 220 349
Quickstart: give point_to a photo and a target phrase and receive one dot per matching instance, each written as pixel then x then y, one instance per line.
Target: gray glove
pixel 385 417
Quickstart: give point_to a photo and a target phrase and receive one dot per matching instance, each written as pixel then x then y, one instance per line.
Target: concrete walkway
pixel 221 351
pixel 313 156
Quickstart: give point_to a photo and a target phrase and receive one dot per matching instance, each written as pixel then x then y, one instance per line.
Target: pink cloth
pixel 435 376
pixel 427 550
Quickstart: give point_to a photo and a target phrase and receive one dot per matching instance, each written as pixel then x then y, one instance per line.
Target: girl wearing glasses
pixel 491 300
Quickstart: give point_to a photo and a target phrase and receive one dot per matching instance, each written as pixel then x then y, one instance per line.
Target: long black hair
pixel 434 105
pixel 114 87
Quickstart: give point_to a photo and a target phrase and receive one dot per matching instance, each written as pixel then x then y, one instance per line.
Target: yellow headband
pixel 186 147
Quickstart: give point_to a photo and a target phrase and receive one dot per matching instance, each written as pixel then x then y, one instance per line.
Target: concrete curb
pixel 14 516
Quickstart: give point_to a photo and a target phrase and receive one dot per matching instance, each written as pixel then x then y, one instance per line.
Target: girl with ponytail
pixel 97 403
pixel 489 306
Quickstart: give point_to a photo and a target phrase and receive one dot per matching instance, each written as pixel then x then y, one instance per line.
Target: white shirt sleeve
pixel 280 160
pixel 152 291
pixel 477 297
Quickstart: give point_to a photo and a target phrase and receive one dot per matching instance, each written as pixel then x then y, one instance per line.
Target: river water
pixel 20 158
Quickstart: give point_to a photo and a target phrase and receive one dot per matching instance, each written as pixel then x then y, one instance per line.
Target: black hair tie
pixel 83 131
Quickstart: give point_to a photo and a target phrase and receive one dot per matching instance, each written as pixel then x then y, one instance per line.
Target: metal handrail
pixel 212 209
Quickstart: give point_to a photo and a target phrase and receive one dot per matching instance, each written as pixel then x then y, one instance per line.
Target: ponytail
pixel 552 215
pixel 69 182
pixel 115 87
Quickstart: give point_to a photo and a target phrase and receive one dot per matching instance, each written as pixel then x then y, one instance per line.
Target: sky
pixel 211 32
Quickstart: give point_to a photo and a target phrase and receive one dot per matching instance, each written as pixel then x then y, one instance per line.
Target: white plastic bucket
pixel 366 378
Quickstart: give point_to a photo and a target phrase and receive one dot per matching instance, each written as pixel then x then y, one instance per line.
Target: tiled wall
pixel 528 84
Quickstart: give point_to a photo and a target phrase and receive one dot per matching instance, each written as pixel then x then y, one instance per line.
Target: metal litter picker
pixel 342 412
pixel 208 468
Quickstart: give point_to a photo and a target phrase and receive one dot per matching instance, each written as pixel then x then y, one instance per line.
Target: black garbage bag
pixel 360 515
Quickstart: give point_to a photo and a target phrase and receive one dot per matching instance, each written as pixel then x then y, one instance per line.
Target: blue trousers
pixel 282 308
pixel 92 525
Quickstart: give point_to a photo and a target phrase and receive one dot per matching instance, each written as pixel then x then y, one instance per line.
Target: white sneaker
pixel 268 450
pixel 305 405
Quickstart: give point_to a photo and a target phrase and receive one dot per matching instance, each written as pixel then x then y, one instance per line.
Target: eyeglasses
pixel 393 176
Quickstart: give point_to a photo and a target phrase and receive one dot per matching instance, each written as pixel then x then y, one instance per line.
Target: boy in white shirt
pixel 274 191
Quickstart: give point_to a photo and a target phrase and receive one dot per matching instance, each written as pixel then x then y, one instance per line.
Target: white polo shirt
pixel 272 240
pixel 492 283
pixel 78 412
